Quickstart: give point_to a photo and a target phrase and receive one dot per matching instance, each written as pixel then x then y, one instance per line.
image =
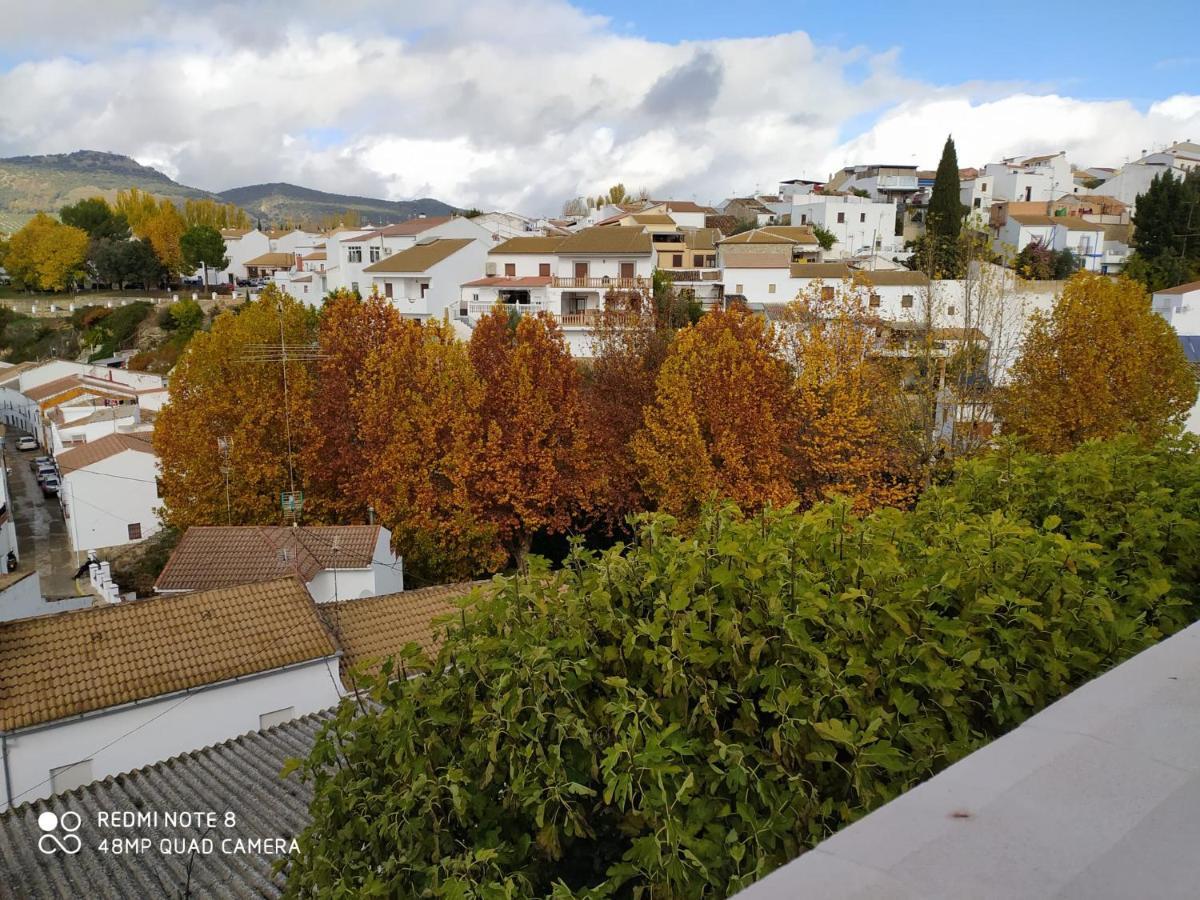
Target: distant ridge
pixel 33 184
pixel 280 201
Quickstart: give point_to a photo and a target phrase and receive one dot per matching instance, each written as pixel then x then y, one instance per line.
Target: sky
pixel 523 104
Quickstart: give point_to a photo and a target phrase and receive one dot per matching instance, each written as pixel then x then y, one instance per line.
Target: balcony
pixel 590 318
pixel 684 275
pixel 603 283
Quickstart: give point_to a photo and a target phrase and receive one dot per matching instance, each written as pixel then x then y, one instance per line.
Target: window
pixel 770 288
pixel 581 270
pixel 862 217
pixel 544 269
pixel 737 289
pixel 949 310
pixel 387 289
pixel 510 269
pixel 983 187
pixel 803 218
pixel 135 531
pixel 906 301
pixel 277 717
pixel 874 301
pixel 354 254
pixel 158 488
pixel 354 286
pixel 827 293
pixel 424 288
pixel 69 777
pixel 841 218
pixel 374 254
pixel 677 260
pixel 977 202
pixel 627 267
pixel 698 260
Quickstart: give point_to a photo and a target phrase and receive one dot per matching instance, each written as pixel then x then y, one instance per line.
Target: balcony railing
pixel 604 283
pixel 588 318
pixel 679 275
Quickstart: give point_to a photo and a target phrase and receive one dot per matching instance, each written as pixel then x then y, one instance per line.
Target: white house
pixel 1134 178
pixel 109 491
pixel 756 265
pixel 95 692
pixel 1084 239
pixel 883 183
pixel 860 225
pixel 568 277
pixel 241 245
pixel 335 562
pixel 349 256
pixel 424 281
pixel 1180 306
pixel 1028 178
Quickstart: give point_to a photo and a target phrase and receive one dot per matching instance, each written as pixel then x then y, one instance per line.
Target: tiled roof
pixel 723 224
pixel 529 245
pixel 686 206
pixel 411 227
pixel 1181 288
pixel 90 659
pixel 511 281
pixel 102 448
pixel 240 775
pixel 53 388
pixel 895 277
pixel 420 257
pixel 277 260
pixel 779 258
pixel 653 219
pixel 1071 223
pixel 214 556
pixel 773 234
pixel 821 270
pixel 617 241
pixel 370 629
pixel 235 233
pixel 702 239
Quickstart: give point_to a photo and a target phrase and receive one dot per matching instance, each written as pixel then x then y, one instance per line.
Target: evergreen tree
pixel 945 208
pixel 1165 226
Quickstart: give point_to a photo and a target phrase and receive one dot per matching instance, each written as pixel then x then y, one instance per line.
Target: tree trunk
pixel 521 553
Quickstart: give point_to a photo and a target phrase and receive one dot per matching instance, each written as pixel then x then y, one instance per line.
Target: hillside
pixel 31 184
pixel 281 202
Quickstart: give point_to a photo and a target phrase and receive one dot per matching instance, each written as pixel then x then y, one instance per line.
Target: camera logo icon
pixel 51 842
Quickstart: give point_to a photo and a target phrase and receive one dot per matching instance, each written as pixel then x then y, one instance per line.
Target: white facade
pixel 860 225
pixel 238 249
pixel 111 502
pixel 433 292
pixel 348 256
pixel 43 760
pixel 382 574
pixel 23 600
pixel 1034 179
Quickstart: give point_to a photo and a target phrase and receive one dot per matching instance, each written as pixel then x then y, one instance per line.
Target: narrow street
pixel 41 531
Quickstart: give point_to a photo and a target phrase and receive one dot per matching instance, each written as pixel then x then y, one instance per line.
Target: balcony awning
pixel 511 281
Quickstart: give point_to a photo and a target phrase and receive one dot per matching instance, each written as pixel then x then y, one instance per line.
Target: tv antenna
pixel 291 501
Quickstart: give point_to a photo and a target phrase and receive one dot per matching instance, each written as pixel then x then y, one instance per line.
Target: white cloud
pixel 503 103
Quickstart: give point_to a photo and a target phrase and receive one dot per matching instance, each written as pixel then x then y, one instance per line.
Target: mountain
pixel 31 184
pixel 281 202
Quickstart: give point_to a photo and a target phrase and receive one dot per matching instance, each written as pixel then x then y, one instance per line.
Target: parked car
pixel 27 443
pixel 45 472
pixel 192 280
pixel 50 486
pixel 41 461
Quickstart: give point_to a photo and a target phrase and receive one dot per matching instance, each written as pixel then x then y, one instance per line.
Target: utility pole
pixel 223 445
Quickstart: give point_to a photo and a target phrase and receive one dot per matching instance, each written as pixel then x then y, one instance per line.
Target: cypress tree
pixel 945 214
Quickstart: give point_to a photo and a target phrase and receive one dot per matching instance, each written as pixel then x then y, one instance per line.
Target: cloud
pixel 516 104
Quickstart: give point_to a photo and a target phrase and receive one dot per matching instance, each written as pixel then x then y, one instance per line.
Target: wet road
pixel 41 531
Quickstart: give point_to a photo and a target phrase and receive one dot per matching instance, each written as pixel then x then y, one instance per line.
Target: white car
pixel 27 443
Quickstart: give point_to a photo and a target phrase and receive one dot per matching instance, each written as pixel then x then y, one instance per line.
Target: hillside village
pixel 364 435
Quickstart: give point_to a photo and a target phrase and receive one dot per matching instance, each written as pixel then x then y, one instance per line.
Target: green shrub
pixel 677 717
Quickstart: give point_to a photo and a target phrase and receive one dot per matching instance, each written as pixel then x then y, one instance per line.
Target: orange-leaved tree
pixel 335 454
pixel 722 422
pixel 845 442
pixel 628 346
pixel 1101 362
pixel 532 471
pixel 226 391
pixel 417 407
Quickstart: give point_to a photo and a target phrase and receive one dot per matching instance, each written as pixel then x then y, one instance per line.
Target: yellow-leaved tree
pixel 46 255
pixel 1099 363
pixel 228 389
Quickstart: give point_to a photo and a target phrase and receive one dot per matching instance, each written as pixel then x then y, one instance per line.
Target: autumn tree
pixel 334 453
pixel 205 211
pixel 1101 362
pixel 164 230
pixel 722 419
pixel 416 406
pixel 532 472
pixel 845 442
pixel 46 255
pixel 628 346
pixel 136 206
pixel 225 388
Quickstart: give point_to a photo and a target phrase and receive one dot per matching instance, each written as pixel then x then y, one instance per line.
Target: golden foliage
pixel 46 255
pixel 1101 362
pixel 219 215
pixel 218 390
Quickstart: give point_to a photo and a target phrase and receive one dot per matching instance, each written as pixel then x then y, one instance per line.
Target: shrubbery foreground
pixel 679 716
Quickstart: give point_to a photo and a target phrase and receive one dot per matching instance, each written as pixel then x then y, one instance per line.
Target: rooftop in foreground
pixel 1097 797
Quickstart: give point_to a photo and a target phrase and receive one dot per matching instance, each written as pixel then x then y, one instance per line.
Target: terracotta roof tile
pixel 103 448
pixel 90 659
pixel 617 241
pixel 412 226
pixel 370 629
pixel 214 556
pixel 277 260
pixel 419 257
pixel 547 244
